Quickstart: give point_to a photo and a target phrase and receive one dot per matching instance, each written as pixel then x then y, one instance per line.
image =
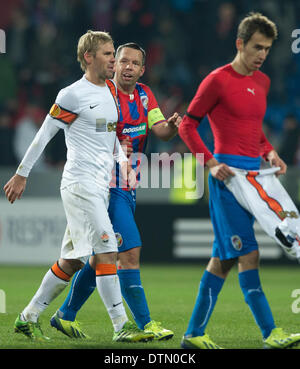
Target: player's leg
pixel 134 294
pixel 54 282
pixel 231 224
pixel 264 197
pixel 123 202
pixel 253 293
pixel 249 279
pixel 84 281
pixel 210 286
pixel 129 246
pixel 131 285
pixel 108 286
pixel 82 286
pixel 98 233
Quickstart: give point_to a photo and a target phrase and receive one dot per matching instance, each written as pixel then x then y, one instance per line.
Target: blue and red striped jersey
pixel 139 111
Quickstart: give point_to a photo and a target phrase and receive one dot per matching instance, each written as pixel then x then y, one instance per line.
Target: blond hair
pixel 89 42
pixel 256 22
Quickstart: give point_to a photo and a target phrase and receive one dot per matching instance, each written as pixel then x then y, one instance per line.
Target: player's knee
pixel 220 268
pixel 70 266
pixel 129 259
pixel 108 258
pixel 249 261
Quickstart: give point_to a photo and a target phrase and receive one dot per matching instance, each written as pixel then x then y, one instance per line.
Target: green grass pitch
pixel 171 291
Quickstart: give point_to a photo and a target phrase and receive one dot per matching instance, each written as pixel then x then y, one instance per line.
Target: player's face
pixel 129 67
pixel 103 62
pixel 255 52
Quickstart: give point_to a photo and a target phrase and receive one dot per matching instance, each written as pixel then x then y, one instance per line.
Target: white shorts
pixel 261 193
pixel 89 229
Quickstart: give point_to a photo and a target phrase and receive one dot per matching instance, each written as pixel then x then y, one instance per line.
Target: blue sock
pixel 209 288
pixel 83 285
pixel 256 299
pixel 134 295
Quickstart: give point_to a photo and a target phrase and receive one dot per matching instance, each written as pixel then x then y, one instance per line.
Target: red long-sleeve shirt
pixel 235 106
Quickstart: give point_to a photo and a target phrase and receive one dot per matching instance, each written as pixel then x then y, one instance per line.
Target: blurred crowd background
pixel 184 41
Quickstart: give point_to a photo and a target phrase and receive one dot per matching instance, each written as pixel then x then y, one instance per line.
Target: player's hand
pixel 275 161
pixel 128 175
pixel 220 171
pixel 15 187
pixel 174 120
pixel 132 178
pixel 127 146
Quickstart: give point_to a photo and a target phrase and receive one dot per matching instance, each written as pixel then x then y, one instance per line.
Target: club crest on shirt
pixel 104 237
pixel 119 239
pixel 144 100
pixel 236 242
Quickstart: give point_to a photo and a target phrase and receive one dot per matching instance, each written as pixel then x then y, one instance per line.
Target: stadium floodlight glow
pixel 2 42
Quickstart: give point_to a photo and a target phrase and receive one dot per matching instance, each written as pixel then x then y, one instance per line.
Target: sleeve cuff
pixel 23 171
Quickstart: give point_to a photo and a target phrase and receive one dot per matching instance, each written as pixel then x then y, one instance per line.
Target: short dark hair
pixel 132 45
pixel 256 22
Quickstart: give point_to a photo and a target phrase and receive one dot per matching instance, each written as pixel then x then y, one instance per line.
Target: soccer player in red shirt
pixel 234 98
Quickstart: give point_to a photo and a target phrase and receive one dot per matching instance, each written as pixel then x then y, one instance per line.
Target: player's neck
pixel 95 79
pixel 127 90
pixel 240 67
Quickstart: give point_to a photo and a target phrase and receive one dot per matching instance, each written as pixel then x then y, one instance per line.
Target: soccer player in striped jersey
pixel 139 113
pixel 87 110
pixel 234 99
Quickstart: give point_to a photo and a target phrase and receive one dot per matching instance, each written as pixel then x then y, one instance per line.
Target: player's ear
pixel 88 57
pixel 239 43
pixel 142 71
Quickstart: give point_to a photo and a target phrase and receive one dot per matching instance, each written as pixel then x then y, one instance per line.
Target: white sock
pixel 110 292
pixel 49 289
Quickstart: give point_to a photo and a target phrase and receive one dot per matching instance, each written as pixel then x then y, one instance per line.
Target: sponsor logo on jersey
pixel 236 242
pixel 288 214
pixel 103 126
pixel 134 131
pixel 252 91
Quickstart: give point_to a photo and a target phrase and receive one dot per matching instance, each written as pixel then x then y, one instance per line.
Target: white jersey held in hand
pixel 261 193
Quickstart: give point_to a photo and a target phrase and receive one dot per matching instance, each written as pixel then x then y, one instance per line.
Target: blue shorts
pixel 232 224
pixel 121 212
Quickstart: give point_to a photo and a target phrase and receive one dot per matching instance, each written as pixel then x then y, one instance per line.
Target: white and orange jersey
pixel 88 113
pixel 261 193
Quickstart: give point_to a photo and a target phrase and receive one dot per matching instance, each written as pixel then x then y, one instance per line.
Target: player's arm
pixel 167 129
pixel 127 173
pixel 62 113
pixel 265 145
pixel 270 155
pixel 15 187
pixel 203 102
pixel 190 135
pixel 164 129
pixel 275 161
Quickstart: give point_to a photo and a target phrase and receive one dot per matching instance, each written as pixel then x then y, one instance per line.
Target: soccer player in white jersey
pixel 87 111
